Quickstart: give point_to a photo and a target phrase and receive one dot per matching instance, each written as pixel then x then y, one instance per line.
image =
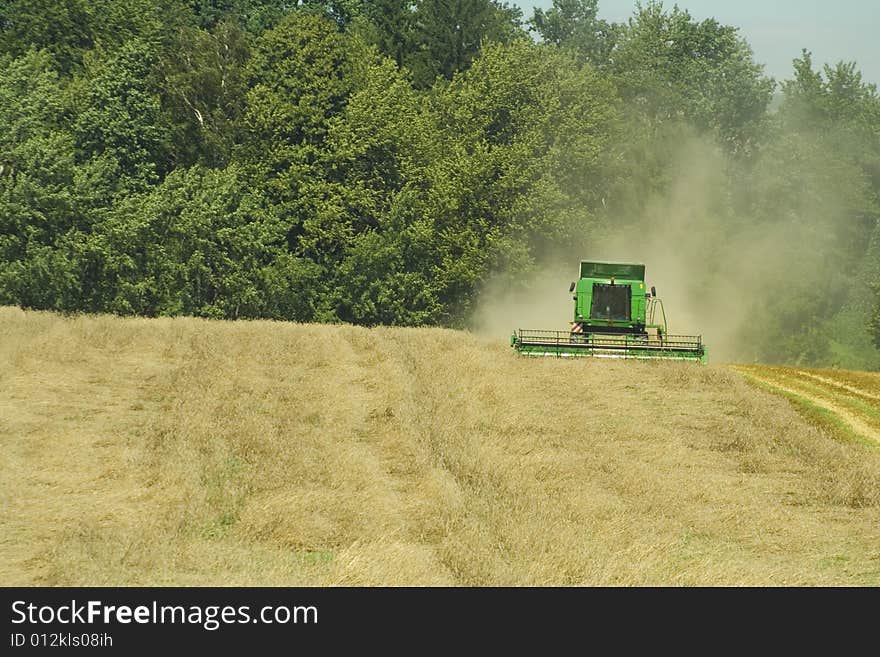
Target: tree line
pixel 374 161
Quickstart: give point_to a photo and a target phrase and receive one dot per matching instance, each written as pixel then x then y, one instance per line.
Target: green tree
pixel 38 203
pixel 450 33
pixel 118 127
pixel 203 87
pixel 837 112
pixel 71 28
pixel 527 130
pixel 389 25
pixel 339 11
pixel 575 24
pixel 257 16
pixel 301 75
pixel 63 27
pixel 839 95
pixel 379 151
pixel 668 66
pixel 197 244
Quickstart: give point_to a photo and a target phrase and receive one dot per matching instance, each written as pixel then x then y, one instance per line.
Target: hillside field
pixel 194 452
pixel 846 402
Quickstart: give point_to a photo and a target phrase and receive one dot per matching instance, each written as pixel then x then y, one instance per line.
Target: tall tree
pixel 379 152
pixel 527 131
pixel 839 113
pixel 38 199
pixel 63 27
pixel 301 75
pixel 196 245
pixel 669 66
pixel 256 16
pixel 450 33
pixel 203 90
pixel 118 124
pixel 575 24
pixel 389 26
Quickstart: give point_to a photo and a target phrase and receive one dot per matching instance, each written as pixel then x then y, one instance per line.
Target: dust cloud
pixel 722 271
pixel 541 302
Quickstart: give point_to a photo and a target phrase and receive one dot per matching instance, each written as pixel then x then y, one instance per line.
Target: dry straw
pixel 191 452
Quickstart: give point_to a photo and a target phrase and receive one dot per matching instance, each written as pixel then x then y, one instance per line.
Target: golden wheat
pixel 192 452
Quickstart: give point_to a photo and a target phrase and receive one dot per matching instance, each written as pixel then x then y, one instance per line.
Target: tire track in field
pixel 791 385
pixel 839 384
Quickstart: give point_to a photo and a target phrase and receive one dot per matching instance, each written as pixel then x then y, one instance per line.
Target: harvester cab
pixel 615 316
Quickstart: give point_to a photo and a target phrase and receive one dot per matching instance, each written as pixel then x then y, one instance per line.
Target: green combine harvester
pixel 615 316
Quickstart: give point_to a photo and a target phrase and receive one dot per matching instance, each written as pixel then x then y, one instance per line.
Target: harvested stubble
pixel 193 452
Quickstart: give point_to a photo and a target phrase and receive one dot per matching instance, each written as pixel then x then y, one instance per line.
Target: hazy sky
pixel 777 30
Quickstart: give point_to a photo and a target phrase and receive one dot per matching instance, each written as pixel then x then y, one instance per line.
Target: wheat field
pixel 847 402
pixel 194 452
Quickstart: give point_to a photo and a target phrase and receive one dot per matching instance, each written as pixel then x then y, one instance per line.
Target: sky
pixel 778 30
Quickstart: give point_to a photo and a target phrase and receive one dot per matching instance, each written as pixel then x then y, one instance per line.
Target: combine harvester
pixel 614 317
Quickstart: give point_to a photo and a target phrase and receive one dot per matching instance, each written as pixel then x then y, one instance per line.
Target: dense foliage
pixel 375 162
